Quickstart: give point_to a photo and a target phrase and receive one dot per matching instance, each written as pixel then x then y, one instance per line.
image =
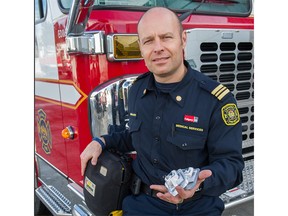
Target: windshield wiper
pixel 186 14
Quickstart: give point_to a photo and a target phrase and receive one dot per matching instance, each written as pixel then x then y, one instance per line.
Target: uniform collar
pixel 179 93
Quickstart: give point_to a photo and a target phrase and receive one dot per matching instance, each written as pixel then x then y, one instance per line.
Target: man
pixel 179 118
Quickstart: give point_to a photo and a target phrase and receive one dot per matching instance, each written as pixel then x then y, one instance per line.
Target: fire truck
pixel 86 59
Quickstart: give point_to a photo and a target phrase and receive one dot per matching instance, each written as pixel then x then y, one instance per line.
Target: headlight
pixel 108 105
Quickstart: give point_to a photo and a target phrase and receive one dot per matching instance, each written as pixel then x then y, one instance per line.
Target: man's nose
pixel 158 46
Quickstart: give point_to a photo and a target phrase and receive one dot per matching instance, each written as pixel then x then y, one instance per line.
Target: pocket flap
pixel 134 125
pixel 187 142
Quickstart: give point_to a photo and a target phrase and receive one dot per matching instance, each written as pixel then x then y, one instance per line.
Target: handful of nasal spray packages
pixel 185 178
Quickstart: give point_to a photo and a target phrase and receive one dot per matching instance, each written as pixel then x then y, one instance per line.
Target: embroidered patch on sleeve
pixel 230 114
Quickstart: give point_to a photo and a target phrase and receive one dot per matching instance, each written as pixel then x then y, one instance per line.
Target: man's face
pixel 161 43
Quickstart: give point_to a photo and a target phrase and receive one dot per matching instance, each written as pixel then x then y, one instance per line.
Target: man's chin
pixel 160 69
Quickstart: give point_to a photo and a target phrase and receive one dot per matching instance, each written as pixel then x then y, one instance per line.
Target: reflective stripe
pixel 60 93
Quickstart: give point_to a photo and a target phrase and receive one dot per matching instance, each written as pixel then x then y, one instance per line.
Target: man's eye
pixel 147 41
pixel 168 37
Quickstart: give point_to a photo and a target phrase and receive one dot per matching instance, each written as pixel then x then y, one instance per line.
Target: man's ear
pixel 184 38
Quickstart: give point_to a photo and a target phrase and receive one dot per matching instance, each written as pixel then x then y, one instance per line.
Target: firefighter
pixel 178 118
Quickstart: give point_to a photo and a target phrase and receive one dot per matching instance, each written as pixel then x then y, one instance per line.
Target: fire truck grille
pixel 232 66
pixel 230 62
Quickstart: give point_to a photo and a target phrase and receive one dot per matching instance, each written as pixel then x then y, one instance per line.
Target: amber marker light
pixel 123 47
pixel 68 133
pixel 126 47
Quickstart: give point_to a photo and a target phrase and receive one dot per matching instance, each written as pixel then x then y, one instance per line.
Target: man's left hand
pixel 182 193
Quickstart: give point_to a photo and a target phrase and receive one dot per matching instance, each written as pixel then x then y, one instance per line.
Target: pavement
pixel 244 209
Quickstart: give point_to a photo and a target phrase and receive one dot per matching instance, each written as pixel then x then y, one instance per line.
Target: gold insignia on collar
pixel 230 114
pixel 178 98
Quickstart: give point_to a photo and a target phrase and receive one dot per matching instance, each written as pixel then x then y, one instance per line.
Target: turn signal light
pixel 68 133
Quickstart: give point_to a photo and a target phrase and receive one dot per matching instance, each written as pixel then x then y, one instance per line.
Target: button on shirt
pixel 182 128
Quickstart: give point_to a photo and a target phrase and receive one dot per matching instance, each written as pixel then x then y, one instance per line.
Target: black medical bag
pixel 107 183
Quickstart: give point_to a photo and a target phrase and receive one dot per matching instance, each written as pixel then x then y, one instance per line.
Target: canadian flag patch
pixel 190 118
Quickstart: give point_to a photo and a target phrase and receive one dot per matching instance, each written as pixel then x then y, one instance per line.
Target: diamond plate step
pixel 54 200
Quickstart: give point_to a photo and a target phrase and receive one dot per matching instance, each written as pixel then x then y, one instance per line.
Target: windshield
pixel 215 7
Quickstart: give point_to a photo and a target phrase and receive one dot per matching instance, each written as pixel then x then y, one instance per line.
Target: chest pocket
pixel 134 125
pixel 134 130
pixel 187 142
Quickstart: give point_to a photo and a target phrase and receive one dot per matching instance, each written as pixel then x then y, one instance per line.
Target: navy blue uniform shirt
pixel 196 124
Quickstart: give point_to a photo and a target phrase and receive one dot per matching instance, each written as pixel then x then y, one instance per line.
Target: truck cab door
pixel 48 122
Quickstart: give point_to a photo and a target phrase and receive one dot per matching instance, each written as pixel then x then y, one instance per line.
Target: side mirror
pixel 78 17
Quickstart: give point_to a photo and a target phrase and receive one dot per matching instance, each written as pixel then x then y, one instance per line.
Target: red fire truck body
pixel 82 77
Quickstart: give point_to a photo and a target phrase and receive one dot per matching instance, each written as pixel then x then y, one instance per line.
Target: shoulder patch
pixel 230 114
pixel 220 91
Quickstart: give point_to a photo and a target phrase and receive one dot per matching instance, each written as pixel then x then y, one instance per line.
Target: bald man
pixel 178 118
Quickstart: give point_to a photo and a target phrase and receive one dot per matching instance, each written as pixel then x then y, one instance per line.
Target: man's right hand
pixel 93 150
